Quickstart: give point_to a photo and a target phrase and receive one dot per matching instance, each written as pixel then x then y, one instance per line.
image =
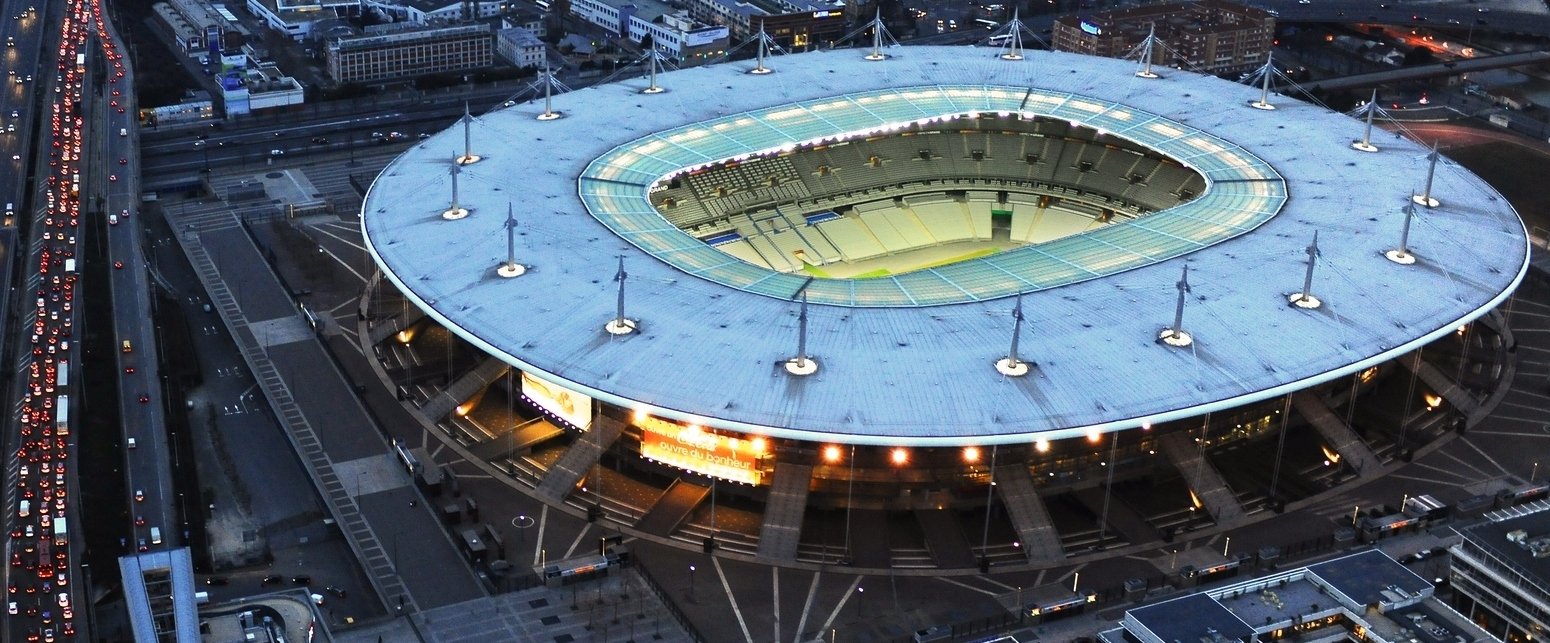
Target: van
pixel 123 131
pixel 156 535
pixel 132 444
pixel 10 208
pixel 128 347
pixel 24 509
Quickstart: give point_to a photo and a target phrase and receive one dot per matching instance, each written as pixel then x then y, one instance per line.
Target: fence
pixel 670 605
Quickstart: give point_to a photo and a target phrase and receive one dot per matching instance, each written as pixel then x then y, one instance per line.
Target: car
pixel 141 546
pixel 63 599
pixel 272 579
pixel 337 591
pixel 139 521
pixel 129 370
pixel 145 399
pixel 123 161
pixel 302 579
pixel 217 580
pixel 113 178
pixel 276 152
pixel 10 608
pixel 139 495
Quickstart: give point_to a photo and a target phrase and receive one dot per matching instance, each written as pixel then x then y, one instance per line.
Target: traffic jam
pixel 38 597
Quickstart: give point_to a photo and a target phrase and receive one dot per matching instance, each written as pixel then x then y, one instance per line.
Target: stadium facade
pixel 822 270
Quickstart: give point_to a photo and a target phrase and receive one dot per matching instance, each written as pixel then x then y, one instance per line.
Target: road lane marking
pixel 775 610
pixel 727 587
pixel 839 605
pixel 807 606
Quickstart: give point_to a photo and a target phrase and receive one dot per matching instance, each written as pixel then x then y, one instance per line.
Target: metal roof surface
pixel 711 354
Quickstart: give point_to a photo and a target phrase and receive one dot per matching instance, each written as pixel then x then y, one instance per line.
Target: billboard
pixel 572 407
pixel 704 37
pixel 695 449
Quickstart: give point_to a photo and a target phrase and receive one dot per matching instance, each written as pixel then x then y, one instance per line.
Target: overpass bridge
pixel 1451 16
pixel 1433 70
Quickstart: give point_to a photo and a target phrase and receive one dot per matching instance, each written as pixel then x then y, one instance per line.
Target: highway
pixel 43 572
pixel 141 400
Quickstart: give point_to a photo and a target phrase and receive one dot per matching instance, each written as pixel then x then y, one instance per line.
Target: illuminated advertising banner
pixel 700 451
pixel 1092 28
pixel 562 402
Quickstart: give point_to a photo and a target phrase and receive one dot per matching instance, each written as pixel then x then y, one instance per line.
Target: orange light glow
pixel 900 456
pixel 971 454
pixel 831 454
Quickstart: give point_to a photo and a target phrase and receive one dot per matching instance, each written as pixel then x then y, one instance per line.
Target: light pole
pixel 691 584
pixel 1225 545
pixel 850 490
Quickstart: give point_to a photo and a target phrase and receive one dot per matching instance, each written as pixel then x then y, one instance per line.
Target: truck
pixel 62 416
pixel 61 533
pixel 63 379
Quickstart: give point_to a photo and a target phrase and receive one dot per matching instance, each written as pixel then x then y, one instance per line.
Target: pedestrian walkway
pixel 234 254
pixel 1203 479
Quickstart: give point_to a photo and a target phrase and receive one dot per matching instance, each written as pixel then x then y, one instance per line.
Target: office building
pixel 519 47
pixel 413 53
pixel 1501 573
pixel 1365 597
pixel 1206 36
pixel 673 32
pixel 795 25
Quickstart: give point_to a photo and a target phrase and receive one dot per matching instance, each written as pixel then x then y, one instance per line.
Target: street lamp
pixel 691 584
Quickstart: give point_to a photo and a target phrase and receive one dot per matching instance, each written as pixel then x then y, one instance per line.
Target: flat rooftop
pixel 709 346
pixel 1370 577
pixel 1195 617
pixel 1492 537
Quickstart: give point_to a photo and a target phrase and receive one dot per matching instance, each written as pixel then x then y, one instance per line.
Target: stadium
pixel 1003 312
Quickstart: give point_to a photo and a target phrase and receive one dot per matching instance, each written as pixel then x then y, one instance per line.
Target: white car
pixel 10 608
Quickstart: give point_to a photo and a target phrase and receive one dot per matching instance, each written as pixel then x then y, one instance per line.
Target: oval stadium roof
pixel 895 371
